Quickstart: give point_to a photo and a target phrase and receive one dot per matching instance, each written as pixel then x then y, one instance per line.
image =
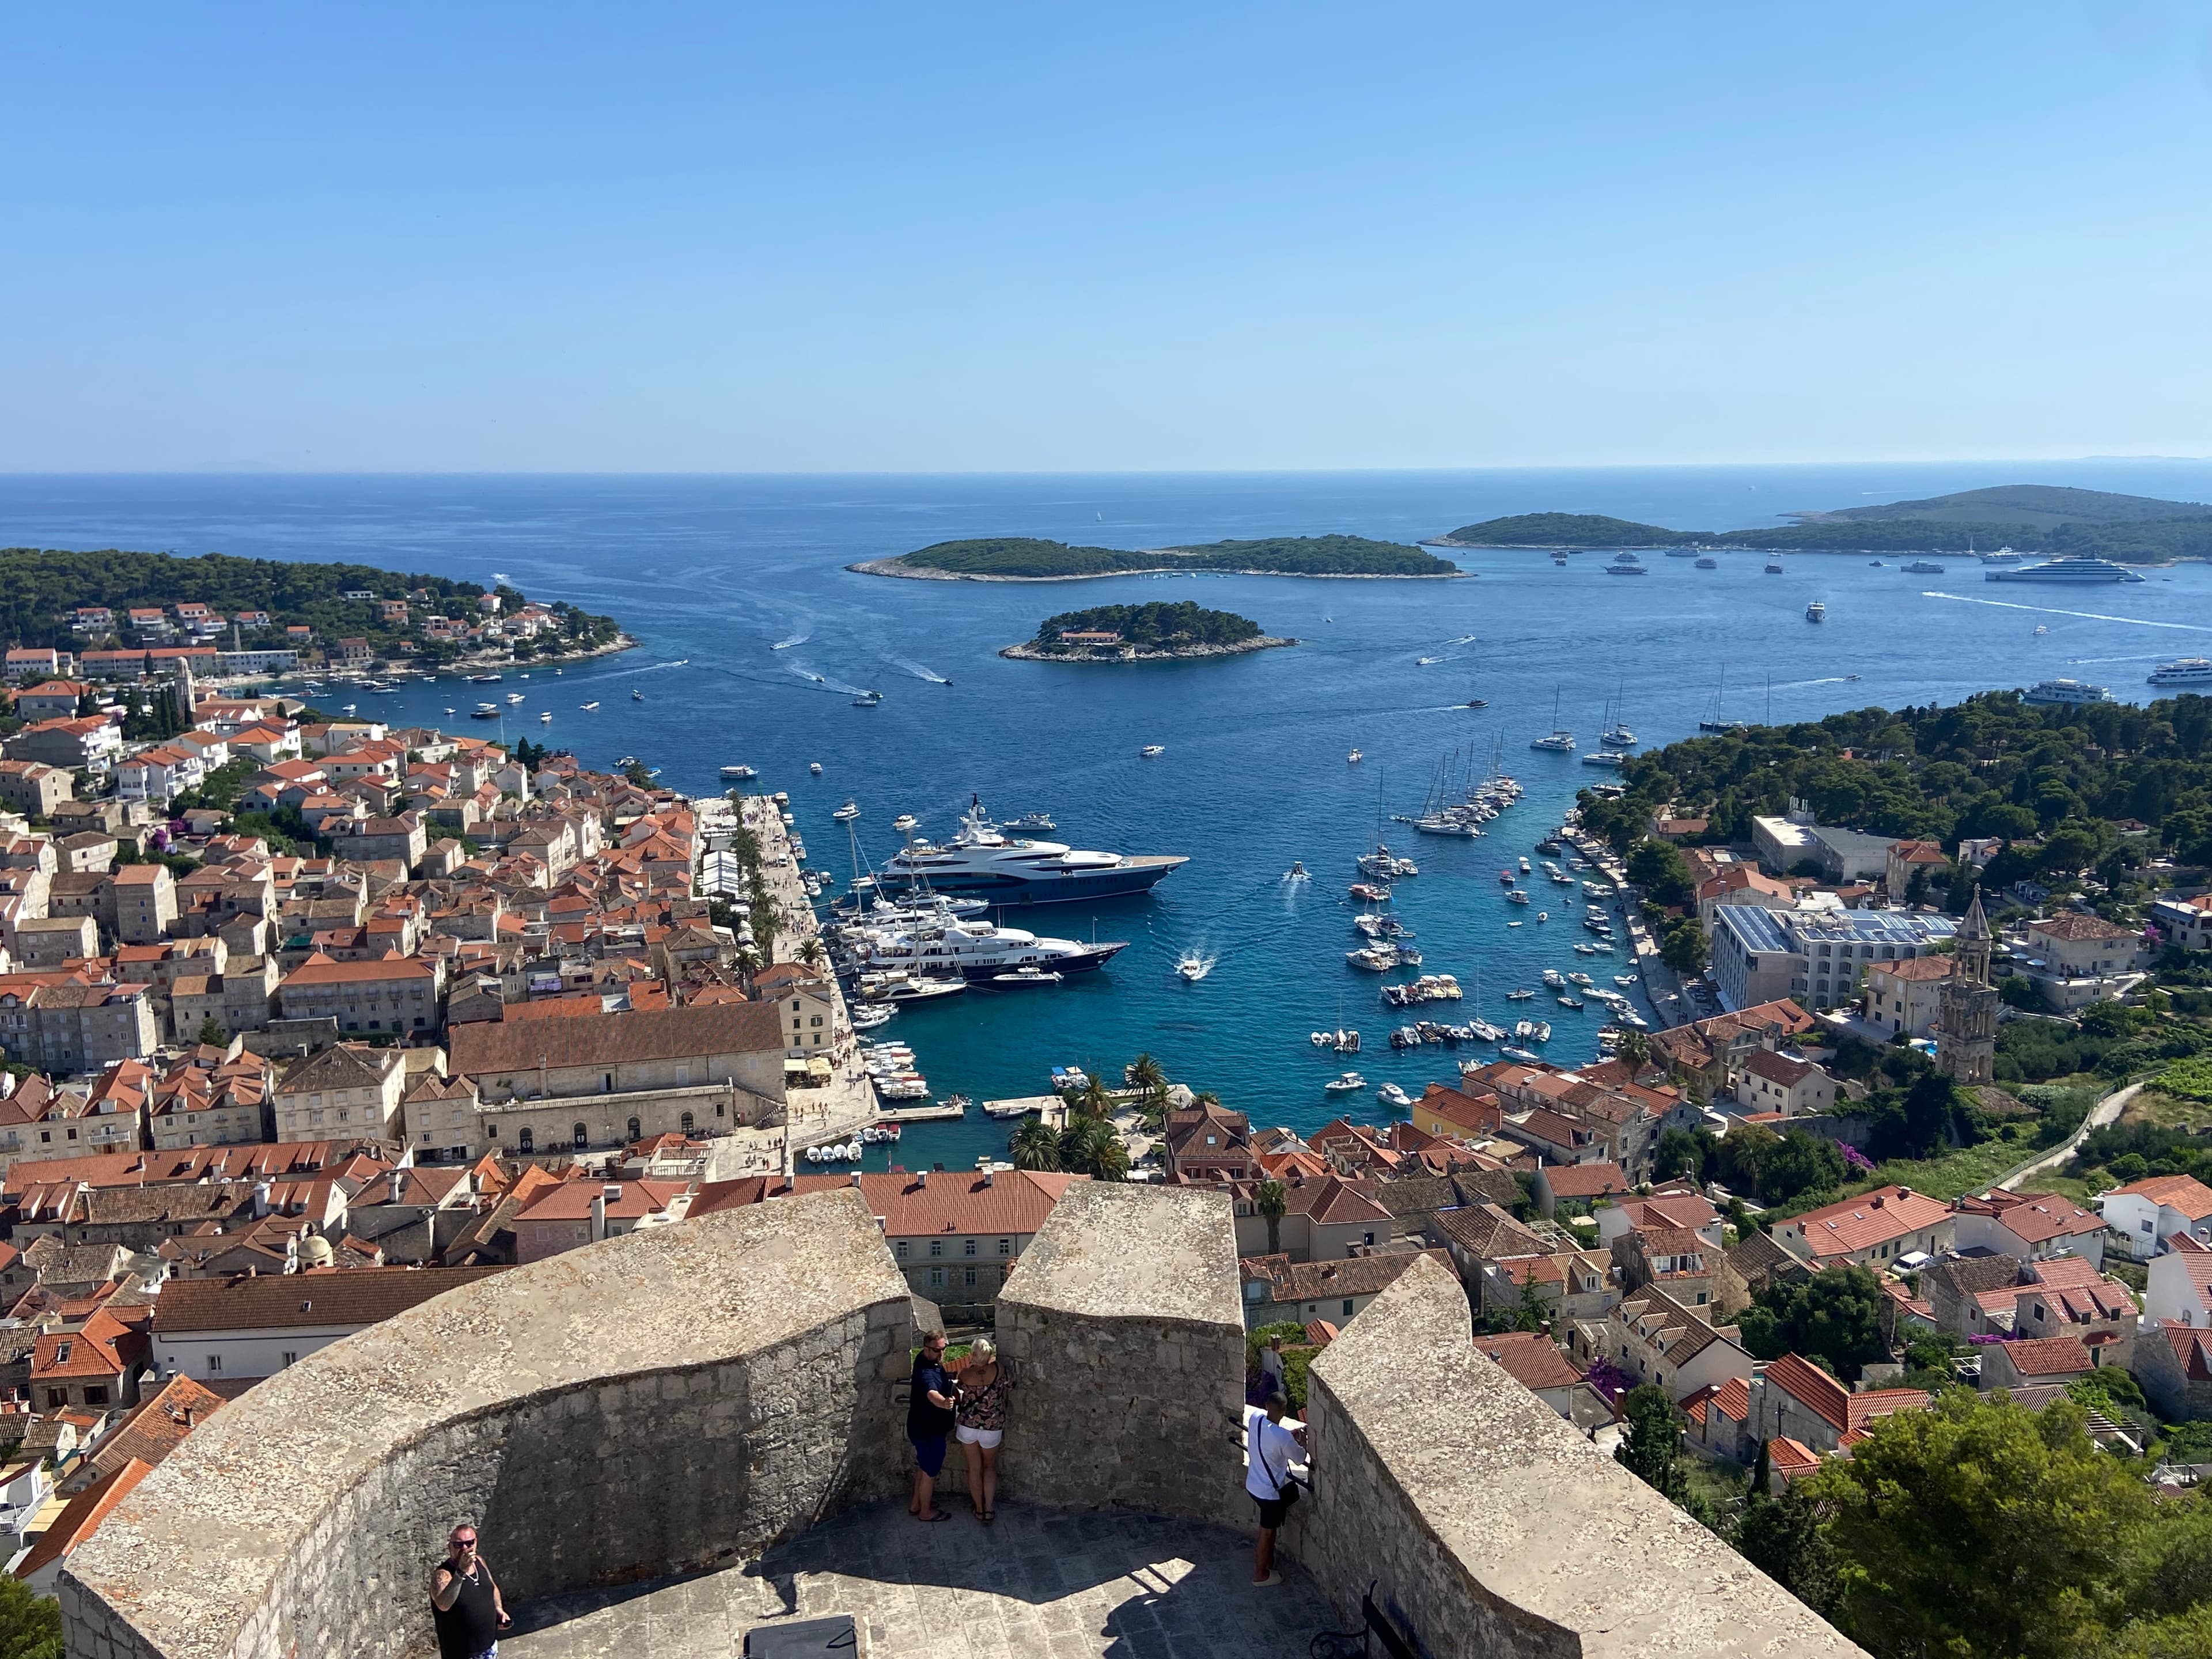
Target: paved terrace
pixel 1039 1584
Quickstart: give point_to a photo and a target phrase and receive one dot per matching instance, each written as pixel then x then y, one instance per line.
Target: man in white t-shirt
pixel 1268 1449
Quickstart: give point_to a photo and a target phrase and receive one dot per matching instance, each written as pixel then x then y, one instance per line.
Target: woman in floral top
pixel 980 1411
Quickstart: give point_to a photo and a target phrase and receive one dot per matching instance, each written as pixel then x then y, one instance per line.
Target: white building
pixel 1818 957
pixel 2141 1216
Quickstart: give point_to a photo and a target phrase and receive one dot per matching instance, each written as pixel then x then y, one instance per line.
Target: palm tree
pixel 1091 1100
pixel 1035 1146
pixel 1146 1073
pixel 1634 1048
pixel 811 950
pixel 1089 1146
pixel 1205 1097
pixel 1273 1203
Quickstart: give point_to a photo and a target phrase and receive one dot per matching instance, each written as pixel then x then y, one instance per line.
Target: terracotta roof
pixel 1690 1210
pixel 83 1517
pixel 616 1039
pixel 1678 1333
pixel 2079 925
pixel 348 1065
pixel 159 1425
pixel 1785 1069
pixel 2192 1349
pixel 1923 970
pixel 2177 1192
pixel 1457 1106
pixel 2037 1218
pixel 1586 1180
pixel 2049 1356
pixel 1487 1232
pixel 1533 1361
pixel 572 1201
pixel 360 1295
pixel 1790 1459
pixel 1319 1281
pixel 1872 1218
pixel 319 969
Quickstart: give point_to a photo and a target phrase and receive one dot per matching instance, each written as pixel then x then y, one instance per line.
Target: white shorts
pixel 987 1439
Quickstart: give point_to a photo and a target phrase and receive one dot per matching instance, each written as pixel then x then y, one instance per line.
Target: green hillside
pixel 2045 505
pixel 1567 529
pixel 1289 556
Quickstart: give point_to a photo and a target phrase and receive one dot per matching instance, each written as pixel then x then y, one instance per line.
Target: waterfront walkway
pixel 1040 1584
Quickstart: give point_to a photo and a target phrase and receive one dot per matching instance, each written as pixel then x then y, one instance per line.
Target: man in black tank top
pixel 465 1601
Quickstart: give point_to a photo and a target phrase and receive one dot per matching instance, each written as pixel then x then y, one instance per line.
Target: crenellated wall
pixel 1491 1530
pixel 678 1398
pixel 683 1397
pixel 1123 1323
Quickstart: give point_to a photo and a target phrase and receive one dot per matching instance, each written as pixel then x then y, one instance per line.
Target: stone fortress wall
pixel 682 1397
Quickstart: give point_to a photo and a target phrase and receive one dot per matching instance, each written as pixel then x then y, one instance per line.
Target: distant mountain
pixel 2029 518
pixel 2041 505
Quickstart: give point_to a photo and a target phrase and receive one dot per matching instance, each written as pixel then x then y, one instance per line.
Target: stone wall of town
pixel 1123 1323
pixel 679 1398
pixel 1489 1528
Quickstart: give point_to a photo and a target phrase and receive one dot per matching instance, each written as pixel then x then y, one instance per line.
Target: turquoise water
pixel 710 574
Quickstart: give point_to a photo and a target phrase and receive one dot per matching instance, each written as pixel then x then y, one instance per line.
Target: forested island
pixel 2038 518
pixel 1142 633
pixel 47 598
pixel 1022 558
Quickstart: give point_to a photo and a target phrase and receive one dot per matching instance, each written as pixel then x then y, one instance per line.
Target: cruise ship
pixel 2064 570
pixel 2065 693
pixel 977 950
pixel 2183 671
pixel 982 862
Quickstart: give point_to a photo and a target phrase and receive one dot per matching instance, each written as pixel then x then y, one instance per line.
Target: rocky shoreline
pixel 916 574
pixel 1028 651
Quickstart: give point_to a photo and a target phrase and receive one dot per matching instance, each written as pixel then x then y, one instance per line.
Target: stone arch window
pixel 637 1131
pixel 581 1136
pixel 687 1120
pixel 523 1141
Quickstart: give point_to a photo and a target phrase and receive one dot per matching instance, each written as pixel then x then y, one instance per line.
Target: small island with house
pixel 1142 633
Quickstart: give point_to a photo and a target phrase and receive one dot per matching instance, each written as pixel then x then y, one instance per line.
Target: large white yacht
pixel 2064 570
pixel 2183 671
pixel 2064 693
pixel 982 862
pixel 976 950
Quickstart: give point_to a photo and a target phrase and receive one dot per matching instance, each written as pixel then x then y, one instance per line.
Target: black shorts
pixel 1274 1510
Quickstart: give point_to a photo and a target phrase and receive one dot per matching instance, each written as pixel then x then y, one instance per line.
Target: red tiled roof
pixel 1533 1361
pixel 2178 1192
pixel 83 1517
pixel 2049 1356
pixel 954 1201
pixel 1790 1459
pixel 1872 1218
pixel 572 1201
pixel 1585 1180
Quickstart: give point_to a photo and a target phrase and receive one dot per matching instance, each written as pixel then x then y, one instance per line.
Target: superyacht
pixel 2183 671
pixel 2064 570
pixel 982 862
pixel 977 952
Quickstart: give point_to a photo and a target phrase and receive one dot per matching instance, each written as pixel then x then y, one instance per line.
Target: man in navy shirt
pixel 929 1422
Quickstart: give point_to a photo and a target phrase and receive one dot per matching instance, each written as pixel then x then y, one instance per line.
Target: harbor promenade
pixel 839 1107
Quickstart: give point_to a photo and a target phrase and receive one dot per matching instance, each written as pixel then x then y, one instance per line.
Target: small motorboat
pixel 1370 892
pixel 868 700
pixel 847 813
pixel 1506 878
pixel 1322 1039
pixel 1525 1056
pixel 1391 1094
pixel 815 769
pixel 1026 975
pixel 1570 1002
pixel 1519 996
pixel 1518 897
pixel 905 822
pixel 1296 872
pixel 1354 758
pixel 733 771
pixel 589 707
pixel 514 697
pixel 637 696
pixel 1345 1084
pixel 1192 966
pixel 1152 751
pixel 545 719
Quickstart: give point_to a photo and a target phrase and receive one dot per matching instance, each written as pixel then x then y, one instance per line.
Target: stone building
pixel 349 1090
pixel 1794 1398
pixel 1966 1047
pixel 394 996
pixel 145 897
pixel 72 1028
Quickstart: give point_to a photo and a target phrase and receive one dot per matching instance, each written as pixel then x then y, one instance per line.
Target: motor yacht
pixel 868 700
pixel 1816 611
pixel 1017 977
pixel 983 860
pixel 847 813
pixel 1153 750
pixel 973 950
pixel 1391 1094
pixel 739 772
pixel 2183 671
pixel 2064 570
pixel 2066 693
pixel 1345 1084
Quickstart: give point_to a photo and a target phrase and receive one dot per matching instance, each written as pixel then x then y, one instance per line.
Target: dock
pixel 932 1112
pixel 1022 1106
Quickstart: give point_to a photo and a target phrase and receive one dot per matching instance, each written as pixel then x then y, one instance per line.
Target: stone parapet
pixel 675 1399
pixel 1490 1528
pixel 1121 1320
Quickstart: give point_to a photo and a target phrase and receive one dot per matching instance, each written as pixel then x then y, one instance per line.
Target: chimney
pixel 989 1176
pixel 922 1178
pixel 261 1190
pixel 598 1219
pixel 398 1181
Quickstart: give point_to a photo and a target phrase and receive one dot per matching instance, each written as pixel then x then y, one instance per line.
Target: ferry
pixel 2183 671
pixel 982 862
pixel 2064 570
pixel 1774 566
pixel 2066 693
pixel 739 772
pixel 1816 611
pixel 1923 567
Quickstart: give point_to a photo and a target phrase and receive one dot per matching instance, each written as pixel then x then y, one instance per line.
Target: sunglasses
pixel 464 1543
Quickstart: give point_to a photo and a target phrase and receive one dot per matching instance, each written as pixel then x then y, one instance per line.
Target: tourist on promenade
pixel 928 1421
pixel 1268 1449
pixel 981 1412
pixel 1271 1365
pixel 465 1601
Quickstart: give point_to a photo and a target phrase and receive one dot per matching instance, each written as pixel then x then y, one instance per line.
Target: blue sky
pixel 730 238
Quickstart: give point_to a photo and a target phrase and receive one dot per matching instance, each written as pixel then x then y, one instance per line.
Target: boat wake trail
pixel 1793 686
pixel 917 670
pixel 2053 610
pixel 825 681
pixel 1196 963
pixel 796 639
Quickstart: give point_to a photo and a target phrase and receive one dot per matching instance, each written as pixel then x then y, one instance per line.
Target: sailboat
pixel 1561 741
pixel 1715 723
pixel 1616 734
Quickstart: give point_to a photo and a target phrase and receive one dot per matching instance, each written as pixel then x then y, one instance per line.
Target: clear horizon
pixel 695 241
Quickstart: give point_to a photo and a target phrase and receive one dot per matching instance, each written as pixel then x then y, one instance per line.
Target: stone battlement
pixel 691 1396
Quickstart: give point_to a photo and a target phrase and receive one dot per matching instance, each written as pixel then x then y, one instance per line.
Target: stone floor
pixel 1039 1584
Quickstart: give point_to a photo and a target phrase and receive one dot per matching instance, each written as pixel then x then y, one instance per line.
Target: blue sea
pixel 713 574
